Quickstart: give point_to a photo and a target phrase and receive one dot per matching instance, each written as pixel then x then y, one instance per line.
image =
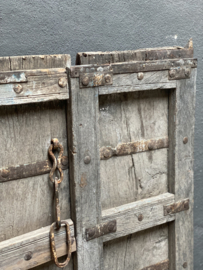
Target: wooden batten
pixel 84 58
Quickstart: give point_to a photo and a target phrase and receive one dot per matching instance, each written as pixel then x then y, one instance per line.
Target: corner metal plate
pixel 179 73
pixel 101 229
pixel 176 207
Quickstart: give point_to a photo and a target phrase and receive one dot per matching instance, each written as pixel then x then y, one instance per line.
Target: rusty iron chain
pixel 55 145
pixel 56 162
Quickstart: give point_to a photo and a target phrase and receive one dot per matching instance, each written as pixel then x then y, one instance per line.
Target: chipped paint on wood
pixel 121 149
pixel 12 77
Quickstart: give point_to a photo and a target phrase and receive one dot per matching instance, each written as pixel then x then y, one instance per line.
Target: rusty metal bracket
pixel 101 229
pixel 28 170
pixel 97 76
pixel 176 207
pixel 179 73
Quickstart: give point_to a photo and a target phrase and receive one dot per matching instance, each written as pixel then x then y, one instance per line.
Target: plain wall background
pixel 71 26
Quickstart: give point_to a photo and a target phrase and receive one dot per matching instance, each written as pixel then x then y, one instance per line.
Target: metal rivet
pixel 91 232
pixel 140 217
pixel 140 75
pixel 5 173
pixel 18 88
pixel 112 226
pixel 107 78
pixel 62 82
pixel 186 205
pixel 85 81
pixel 64 161
pixel 185 265
pixel 172 73
pixel 87 159
pixel 185 140
pixel 28 256
pixel 187 72
pixel 107 153
pixel 150 146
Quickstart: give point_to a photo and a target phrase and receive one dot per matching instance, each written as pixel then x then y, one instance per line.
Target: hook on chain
pixel 55 145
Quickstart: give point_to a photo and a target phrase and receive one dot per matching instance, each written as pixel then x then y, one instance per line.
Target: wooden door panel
pixel 131 117
pixel 26 133
pixel 137 251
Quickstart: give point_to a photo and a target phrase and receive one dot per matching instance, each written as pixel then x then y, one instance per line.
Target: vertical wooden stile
pixel 84 173
pixel 181 145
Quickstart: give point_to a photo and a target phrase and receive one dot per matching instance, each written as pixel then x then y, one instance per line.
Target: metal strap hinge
pixel 179 73
pixel 176 207
pixel 101 229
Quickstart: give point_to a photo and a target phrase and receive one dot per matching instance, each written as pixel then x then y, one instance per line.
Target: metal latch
pixel 179 73
pixel 101 229
pixel 176 207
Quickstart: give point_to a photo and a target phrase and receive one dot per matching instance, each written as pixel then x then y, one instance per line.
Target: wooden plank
pixel 137 250
pixel 14 252
pixel 123 83
pixel 129 82
pixel 39 61
pixel 24 128
pixel 181 182
pixel 138 216
pixel 133 67
pixel 84 166
pixel 29 170
pixel 128 117
pixel 37 89
pixel 33 249
pixel 135 55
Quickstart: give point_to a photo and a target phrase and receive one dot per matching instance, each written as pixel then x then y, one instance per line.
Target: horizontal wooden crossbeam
pixel 84 58
pixel 32 249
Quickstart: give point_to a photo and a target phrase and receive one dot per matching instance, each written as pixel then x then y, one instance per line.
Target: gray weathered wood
pixel 13 252
pixel 134 55
pixel 126 118
pixel 133 67
pixel 85 177
pixel 26 131
pixel 137 250
pixel 127 215
pixel 181 125
pixel 38 88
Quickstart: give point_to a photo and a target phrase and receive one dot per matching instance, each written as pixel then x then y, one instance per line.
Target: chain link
pixel 55 145
pixel 56 162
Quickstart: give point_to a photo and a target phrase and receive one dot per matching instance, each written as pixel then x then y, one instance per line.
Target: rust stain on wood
pixel 122 149
pixel 177 207
pixel 29 170
pixel 158 266
pixel 83 180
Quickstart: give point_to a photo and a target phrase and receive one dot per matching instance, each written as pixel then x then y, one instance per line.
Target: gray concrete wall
pixel 70 26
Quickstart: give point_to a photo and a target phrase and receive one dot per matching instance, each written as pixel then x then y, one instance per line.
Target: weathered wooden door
pixel 130 125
